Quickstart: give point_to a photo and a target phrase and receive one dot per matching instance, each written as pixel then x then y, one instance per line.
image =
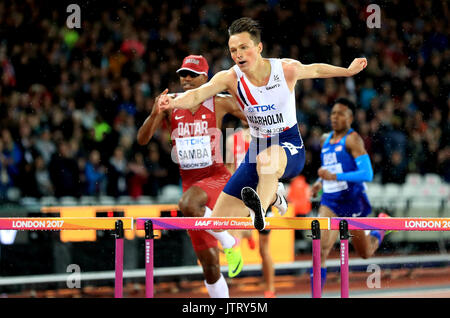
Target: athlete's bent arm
pixel 193 97
pixel 151 123
pixel 364 171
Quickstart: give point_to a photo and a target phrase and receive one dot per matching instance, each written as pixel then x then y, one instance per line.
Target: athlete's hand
pixel 325 174
pixel 357 65
pixel 164 101
pixel 156 109
pixel 316 187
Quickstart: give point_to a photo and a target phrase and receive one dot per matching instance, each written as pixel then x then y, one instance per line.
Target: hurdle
pixel 344 225
pixel 73 223
pixel 238 223
pixel 149 224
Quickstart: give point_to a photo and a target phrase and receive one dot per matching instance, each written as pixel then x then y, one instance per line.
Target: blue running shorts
pixel 357 205
pixel 246 174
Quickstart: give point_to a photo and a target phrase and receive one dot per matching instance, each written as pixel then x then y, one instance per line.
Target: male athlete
pixel 345 166
pixel 264 89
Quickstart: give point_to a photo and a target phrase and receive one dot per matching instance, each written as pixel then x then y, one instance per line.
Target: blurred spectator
pixel 12 156
pixel 95 175
pixel 416 151
pixel 5 179
pixel 395 170
pixel 157 173
pixel 367 94
pixel 137 176
pixel 443 167
pixel 88 115
pixel 300 195
pixel 117 174
pixel 45 146
pixel 64 173
pixel 44 184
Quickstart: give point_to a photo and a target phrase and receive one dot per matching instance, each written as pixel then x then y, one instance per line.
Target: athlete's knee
pixel 211 269
pixel 270 164
pixel 189 208
pixel 192 202
pixel 365 254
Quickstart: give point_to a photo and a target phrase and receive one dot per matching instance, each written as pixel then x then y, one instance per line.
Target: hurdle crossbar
pixel 295 223
pixel 61 224
pixel 287 223
pixel 394 224
pixel 236 223
pixel 67 223
pixel 233 223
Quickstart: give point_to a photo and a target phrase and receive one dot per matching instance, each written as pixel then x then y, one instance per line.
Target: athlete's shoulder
pixel 228 74
pixel 354 136
pixel 354 140
pixel 290 68
pixel 226 79
pixel 355 144
pixel 289 63
pixel 324 137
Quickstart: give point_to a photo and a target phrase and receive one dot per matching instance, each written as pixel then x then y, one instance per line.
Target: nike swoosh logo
pixel 178 118
pixel 236 268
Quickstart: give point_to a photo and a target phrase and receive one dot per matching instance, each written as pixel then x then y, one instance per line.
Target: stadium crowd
pixel 71 100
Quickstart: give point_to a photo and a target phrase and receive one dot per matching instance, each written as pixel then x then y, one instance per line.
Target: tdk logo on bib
pixel 260 108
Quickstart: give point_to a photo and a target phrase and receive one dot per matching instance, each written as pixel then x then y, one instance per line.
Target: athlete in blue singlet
pixel 345 167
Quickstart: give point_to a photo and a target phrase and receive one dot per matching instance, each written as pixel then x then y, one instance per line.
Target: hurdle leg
pixel 317 288
pixel 149 236
pixel 344 236
pixel 118 283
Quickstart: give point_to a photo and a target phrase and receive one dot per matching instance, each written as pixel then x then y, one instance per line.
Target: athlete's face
pixel 191 80
pixel 341 117
pixel 244 51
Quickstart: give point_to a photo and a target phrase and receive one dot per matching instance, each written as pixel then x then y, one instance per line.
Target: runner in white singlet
pixel 269 159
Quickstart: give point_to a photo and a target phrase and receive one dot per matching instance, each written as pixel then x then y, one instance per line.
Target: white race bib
pixel 334 186
pixel 194 152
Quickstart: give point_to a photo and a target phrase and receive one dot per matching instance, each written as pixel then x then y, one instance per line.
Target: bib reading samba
pixel 194 152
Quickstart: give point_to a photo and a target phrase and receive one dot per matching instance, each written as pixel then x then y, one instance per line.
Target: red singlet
pixel 196 141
